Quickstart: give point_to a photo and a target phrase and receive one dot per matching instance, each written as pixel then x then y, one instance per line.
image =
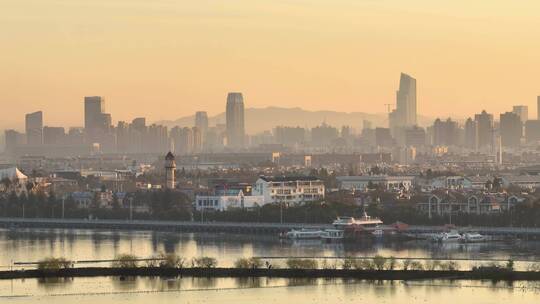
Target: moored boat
pixel 304 234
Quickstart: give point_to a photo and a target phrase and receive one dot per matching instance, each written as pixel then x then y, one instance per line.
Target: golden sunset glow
pixel 164 59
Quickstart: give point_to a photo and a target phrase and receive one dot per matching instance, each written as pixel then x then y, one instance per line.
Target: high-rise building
pixel 471 137
pixel 323 135
pixel 415 137
pixel 54 135
pixel 532 130
pixel 97 123
pixel 510 129
pixel 405 113
pixel 201 121
pixel 197 140
pixel 94 106
pixel 289 136
pixel 485 132
pixel 182 139
pixel 522 112
pixel 13 139
pixel 34 128
pixel 445 133
pixel 383 138
pixel 235 120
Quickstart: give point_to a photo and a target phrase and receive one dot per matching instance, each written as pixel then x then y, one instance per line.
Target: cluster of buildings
pixel 99 135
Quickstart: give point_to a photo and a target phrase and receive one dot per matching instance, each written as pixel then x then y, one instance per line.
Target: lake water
pixel 35 244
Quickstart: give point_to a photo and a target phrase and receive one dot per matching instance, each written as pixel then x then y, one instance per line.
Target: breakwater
pixel 278 273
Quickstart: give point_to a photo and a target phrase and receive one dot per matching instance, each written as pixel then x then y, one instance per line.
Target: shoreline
pixel 278 273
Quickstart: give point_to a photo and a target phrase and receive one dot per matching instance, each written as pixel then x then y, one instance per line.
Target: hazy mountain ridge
pixel 261 119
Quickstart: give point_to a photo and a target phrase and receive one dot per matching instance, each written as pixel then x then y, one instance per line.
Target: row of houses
pixel 445 203
pixel 389 183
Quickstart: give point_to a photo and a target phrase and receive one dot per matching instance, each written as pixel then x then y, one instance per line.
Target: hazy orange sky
pixel 169 58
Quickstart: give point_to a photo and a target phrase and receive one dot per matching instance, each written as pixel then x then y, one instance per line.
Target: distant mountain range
pixel 261 119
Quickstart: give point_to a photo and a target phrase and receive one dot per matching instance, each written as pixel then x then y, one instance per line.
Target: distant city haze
pixel 167 59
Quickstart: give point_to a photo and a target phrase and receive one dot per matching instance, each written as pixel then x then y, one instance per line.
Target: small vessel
pixel 473 237
pixel 304 234
pixel 332 235
pixel 448 237
pixel 365 221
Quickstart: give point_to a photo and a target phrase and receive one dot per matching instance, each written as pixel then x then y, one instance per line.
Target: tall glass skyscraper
pixel 235 120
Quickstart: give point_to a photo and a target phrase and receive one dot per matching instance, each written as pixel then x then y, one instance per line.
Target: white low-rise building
pixel 228 199
pixel 363 182
pixel 289 189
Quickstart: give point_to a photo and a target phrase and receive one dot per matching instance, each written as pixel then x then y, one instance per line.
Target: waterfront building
pixel 227 199
pixel 289 189
pixel 386 182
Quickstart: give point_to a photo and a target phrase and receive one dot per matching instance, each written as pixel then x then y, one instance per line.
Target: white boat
pixel 473 237
pixel 304 234
pixel 448 237
pixel 365 221
pixel 331 235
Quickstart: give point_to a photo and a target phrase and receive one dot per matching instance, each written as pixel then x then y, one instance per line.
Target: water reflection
pixel 35 244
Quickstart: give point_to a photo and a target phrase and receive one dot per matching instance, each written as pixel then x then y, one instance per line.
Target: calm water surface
pixel 34 244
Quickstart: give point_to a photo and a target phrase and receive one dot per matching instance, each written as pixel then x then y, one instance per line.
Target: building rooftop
pixel 288 178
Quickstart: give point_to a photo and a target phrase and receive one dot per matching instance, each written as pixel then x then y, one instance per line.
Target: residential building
pixel 289 189
pixel 386 182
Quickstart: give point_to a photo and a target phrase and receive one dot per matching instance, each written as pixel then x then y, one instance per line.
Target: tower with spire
pixel 170 168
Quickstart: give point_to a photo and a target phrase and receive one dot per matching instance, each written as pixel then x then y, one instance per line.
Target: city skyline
pixel 297 54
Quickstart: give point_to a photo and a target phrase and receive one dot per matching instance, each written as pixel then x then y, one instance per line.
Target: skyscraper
pixel 484 126
pixel 445 133
pixel 522 112
pixel 471 137
pixel 201 123
pixel 94 106
pixel 34 128
pixel 96 121
pixel 405 113
pixel 235 120
pixel 511 129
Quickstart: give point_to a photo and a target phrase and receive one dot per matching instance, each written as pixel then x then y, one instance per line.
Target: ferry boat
pixel 365 221
pixel 304 234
